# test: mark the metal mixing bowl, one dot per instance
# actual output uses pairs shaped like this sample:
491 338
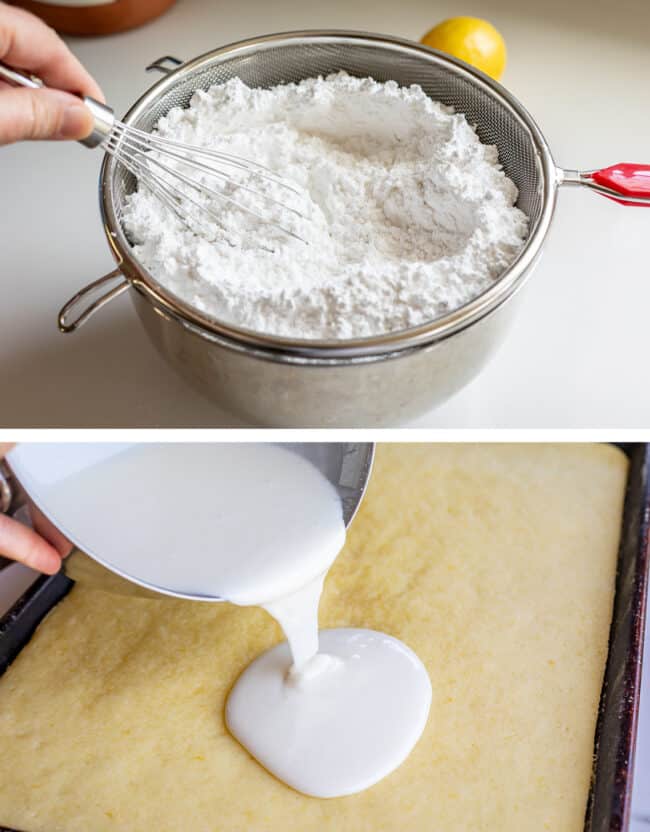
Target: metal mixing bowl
376 381
347 465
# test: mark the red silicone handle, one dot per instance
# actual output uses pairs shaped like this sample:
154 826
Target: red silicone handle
626 178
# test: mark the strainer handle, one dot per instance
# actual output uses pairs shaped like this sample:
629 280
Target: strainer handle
82 298
165 64
627 183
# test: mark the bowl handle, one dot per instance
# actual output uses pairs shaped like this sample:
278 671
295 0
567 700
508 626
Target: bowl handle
165 64
90 306
626 182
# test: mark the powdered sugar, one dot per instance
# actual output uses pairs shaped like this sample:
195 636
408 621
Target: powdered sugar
410 216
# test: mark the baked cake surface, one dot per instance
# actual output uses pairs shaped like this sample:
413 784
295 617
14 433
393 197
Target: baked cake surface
495 563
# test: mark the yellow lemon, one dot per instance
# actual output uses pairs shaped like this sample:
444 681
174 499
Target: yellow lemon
472 40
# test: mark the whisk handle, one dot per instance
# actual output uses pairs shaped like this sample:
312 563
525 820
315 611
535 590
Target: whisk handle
103 116
21 79
104 119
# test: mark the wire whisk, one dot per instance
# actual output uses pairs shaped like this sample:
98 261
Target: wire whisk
165 167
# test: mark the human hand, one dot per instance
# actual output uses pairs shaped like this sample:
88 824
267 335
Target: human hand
27 43
40 548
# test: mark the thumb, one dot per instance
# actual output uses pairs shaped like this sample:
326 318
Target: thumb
42 114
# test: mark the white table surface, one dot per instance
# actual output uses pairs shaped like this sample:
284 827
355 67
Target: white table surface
577 354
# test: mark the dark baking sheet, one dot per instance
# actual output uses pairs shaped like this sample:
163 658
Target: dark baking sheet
608 807
18 625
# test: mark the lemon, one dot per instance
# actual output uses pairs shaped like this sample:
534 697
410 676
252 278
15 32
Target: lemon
472 40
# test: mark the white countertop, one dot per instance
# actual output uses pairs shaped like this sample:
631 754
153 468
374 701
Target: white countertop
577 354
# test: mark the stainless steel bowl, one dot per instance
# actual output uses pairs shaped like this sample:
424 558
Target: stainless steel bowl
347 465
377 381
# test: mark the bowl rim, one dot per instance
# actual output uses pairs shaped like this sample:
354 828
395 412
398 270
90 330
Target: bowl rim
376 345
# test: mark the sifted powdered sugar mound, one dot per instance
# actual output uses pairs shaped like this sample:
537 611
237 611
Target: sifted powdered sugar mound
410 215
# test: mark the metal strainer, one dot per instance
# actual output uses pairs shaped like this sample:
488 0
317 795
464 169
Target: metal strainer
264 62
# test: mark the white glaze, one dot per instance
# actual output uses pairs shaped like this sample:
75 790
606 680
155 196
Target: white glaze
297 614
341 729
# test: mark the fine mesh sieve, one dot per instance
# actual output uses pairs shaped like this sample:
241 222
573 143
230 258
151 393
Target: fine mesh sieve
379 381
496 123
264 62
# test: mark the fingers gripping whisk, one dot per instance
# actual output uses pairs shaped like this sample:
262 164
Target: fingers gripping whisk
191 181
